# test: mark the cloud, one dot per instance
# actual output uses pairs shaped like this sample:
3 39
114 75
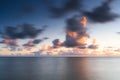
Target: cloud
29 44
93 46
34 42
118 32
45 38
11 35
37 41
76 33
13 43
57 43
68 6
10 42
23 31
102 13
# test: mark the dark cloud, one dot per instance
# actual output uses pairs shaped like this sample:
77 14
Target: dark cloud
93 46
102 13
73 24
45 38
68 6
29 44
75 32
34 42
37 41
56 43
23 31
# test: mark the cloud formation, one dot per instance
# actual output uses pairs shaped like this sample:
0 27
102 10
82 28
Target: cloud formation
76 32
10 42
23 31
102 13
93 46
57 43
68 6
34 42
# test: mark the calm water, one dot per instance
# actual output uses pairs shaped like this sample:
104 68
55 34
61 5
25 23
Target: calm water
59 68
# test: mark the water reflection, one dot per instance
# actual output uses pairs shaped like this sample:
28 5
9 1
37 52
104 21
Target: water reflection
59 68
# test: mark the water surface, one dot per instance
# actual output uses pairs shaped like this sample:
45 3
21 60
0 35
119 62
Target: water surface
38 68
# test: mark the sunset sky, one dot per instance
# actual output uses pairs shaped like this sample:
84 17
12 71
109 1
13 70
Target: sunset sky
39 13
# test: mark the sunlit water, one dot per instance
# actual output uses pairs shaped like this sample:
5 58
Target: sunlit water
38 68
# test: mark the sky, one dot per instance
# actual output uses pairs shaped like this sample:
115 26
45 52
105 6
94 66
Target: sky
102 24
